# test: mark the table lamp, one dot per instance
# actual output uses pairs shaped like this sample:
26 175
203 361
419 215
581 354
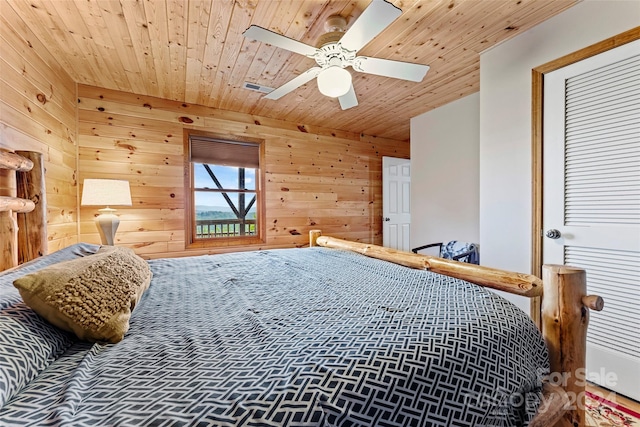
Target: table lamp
106 192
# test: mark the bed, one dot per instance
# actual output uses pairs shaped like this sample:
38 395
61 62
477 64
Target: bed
336 334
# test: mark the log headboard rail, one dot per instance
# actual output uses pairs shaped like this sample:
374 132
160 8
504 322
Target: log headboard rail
21 191
565 317
14 162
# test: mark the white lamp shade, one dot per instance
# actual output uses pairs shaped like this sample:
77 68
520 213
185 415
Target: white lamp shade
334 82
106 192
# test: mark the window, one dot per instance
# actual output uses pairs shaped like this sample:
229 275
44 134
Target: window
224 197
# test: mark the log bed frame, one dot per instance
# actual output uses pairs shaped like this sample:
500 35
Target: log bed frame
565 304
565 317
22 190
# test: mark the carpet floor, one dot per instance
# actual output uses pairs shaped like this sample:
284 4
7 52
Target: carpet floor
602 412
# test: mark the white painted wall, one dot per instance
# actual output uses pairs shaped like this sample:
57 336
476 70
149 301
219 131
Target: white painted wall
505 122
445 173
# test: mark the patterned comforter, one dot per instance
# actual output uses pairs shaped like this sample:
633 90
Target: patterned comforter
290 337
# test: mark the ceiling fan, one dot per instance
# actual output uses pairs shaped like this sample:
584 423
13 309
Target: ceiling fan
337 50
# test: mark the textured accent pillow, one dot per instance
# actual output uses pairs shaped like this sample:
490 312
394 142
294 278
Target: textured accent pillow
93 296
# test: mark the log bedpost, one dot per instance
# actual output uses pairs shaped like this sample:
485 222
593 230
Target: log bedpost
313 237
565 317
32 228
8 226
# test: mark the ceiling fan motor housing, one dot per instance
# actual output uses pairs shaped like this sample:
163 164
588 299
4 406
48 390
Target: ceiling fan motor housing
334 54
327 38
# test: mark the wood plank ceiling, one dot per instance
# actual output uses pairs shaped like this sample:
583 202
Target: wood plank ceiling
193 51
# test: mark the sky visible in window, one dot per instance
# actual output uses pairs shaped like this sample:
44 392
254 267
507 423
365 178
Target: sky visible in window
228 177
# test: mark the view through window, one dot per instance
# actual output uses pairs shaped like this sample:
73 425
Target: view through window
225 201
223 189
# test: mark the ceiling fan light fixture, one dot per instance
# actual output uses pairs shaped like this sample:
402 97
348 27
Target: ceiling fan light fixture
334 81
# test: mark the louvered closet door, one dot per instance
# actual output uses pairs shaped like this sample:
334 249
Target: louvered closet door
592 197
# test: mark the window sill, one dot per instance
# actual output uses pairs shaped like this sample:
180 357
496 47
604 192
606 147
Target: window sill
225 242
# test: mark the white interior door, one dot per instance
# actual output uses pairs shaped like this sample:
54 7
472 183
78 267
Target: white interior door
396 196
592 198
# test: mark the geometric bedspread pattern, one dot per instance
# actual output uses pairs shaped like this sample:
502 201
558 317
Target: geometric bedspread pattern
298 337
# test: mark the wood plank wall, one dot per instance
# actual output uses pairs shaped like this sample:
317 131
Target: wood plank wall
315 177
38 113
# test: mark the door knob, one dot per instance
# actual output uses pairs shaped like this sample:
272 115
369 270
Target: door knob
553 234
387 219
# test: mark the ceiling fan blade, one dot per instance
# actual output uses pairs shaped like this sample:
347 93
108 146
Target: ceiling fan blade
349 99
267 36
389 68
375 18
294 84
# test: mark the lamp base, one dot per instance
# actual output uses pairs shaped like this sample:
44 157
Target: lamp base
107 224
